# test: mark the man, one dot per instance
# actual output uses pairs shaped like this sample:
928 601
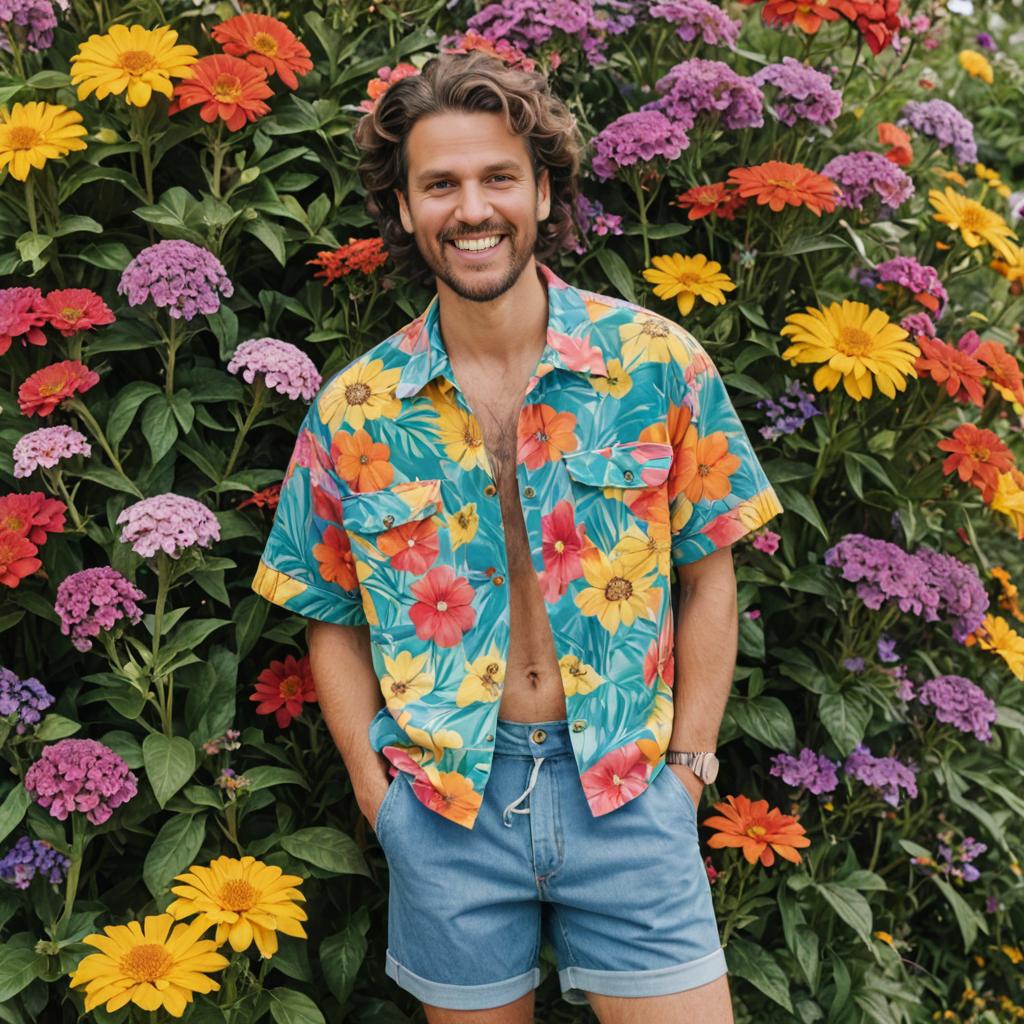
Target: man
481 515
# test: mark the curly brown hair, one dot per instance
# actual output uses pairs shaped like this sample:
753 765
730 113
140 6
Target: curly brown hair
472 82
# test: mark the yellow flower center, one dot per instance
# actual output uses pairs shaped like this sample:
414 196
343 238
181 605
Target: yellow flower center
470 439
756 831
854 341
147 963
70 313
616 780
356 394
442 606
227 88
463 520
688 280
654 330
782 183
291 686
559 546
136 62
979 454
399 688
23 136
263 42
53 388
618 589
972 218
237 894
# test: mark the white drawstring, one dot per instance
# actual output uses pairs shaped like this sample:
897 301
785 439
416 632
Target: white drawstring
512 809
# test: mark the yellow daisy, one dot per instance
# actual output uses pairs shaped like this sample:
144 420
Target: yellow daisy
996 634
1012 268
139 60
33 133
461 435
975 222
462 526
617 383
404 679
150 965
688 278
484 680
1009 499
577 676
617 593
652 339
365 391
857 344
246 899
275 586
977 65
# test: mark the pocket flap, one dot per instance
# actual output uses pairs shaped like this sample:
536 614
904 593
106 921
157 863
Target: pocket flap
377 511
631 464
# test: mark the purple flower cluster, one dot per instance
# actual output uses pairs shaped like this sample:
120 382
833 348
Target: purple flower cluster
697 86
941 121
46 447
917 278
960 702
286 369
183 278
38 19
954 863
702 18
863 174
927 583
641 136
29 857
94 600
789 412
80 775
802 93
887 774
26 698
815 771
592 219
985 41
168 522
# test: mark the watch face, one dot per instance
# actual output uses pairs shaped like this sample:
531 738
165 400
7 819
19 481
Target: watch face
710 772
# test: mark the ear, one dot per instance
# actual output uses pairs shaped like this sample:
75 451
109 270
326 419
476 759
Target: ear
543 194
403 211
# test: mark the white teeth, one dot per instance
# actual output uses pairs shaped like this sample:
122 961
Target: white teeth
478 244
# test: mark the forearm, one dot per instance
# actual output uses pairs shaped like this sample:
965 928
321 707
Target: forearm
706 636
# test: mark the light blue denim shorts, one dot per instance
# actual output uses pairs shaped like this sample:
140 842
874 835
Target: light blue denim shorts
623 898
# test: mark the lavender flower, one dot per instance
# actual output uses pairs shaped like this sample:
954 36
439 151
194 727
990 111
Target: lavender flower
854 665
169 523
802 93
815 771
287 369
919 323
886 774
29 857
1015 206
80 775
960 702
46 447
94 600
864 174
789 412
25 698
695 87
904 684
917 278
592 218
941 121
176 275
886 649
638 137
36 17
702 18
954 863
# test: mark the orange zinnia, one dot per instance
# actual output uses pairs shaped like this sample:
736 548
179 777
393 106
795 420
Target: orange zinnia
266 43
544 435
777 184
901 151
705 465
716 198
334 557
1003 370
958 372
227 88
807 15
978 457
757 830
364 464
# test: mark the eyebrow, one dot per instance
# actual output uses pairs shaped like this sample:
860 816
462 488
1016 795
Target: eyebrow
503 165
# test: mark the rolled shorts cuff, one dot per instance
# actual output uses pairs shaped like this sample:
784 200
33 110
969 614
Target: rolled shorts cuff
461 997
577 981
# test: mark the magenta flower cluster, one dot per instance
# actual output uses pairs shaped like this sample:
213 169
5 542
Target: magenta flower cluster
960 702
928 583
168 522
816 772
942 122
183 278
917 278
863 174
801 93
46 447
83 776
695 87
887 774
93 600
31 857
639 137
25 698
285 368
919 323
38 19
694 18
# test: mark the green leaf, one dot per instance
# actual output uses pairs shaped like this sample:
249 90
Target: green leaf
758 966
56 727
49 80
767 719
73 224
290 1007
18 969
327 848
170 762
186 637
968 919
617 272
13 809
796 501
342 955
1009 717
159 426
271 235
850 906
265 776
250 618
125 406
846 717
224 324
172 851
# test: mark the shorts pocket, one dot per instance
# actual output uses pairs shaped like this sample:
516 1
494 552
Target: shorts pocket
385 807
677 782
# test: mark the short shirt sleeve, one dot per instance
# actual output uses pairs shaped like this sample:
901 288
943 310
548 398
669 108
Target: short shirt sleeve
307 564
718 490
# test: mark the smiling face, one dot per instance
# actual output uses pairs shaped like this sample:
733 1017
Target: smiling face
470 182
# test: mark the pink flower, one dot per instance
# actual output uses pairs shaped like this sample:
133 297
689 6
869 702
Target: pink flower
93 600
46 447
169 523
561 545
577 353
444 607
616 779
766 541
285 368
22 313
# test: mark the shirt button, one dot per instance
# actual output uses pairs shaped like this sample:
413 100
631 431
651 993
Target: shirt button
538 735
528 492
489 737
579 725
490 490
628 474
497 580
388 520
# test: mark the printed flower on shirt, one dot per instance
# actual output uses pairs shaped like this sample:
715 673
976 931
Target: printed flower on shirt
432 743
450 794
462 526
484 681
659 661
643 552
411 547
577 676
444 607
460 434
545 435
576 353
617 594
365 391
405 679
334 556
616 778
617 384
705 465
364 464
562 543
651 339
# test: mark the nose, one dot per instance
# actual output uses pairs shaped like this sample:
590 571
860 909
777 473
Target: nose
474 207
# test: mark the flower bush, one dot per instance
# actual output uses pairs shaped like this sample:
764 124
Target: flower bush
832 193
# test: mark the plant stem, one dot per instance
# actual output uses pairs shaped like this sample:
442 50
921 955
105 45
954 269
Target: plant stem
219 151
30 203
75 870
89 420
172 347
258 395
57 479
642 209
163 585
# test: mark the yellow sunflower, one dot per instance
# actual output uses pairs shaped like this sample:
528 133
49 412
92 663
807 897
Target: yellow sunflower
975 222
977 65
404 679
652 339
617 592
577 676
33 133
151 965
246 899
138 59
687 278
484 680
857 344
365 391
1011 268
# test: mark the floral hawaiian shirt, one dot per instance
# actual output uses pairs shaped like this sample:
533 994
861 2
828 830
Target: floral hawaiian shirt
631 459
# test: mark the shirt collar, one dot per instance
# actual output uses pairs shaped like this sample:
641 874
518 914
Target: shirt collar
574 342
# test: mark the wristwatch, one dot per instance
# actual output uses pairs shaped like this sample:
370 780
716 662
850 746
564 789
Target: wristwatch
704 763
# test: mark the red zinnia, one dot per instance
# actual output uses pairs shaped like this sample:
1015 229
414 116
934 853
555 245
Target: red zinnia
877 21
266 498
444 606
76 309
22 313
716 198
776 184
363 254
33 516
807 15
266 43
901 151
1003 370
227 87
958 372
17 558
283 688
978 457
44 390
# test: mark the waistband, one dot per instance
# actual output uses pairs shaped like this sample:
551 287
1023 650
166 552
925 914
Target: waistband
532 739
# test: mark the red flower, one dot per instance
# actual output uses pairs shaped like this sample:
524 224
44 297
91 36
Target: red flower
877 21
33 516
282 689
561 544
362 254
411 547
227 87
618 777
267 498
958 372
806 14
659 661
22 313
266 43
44 390
978 457
902 152
76 309
717 198
444 607
16 558
335 559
